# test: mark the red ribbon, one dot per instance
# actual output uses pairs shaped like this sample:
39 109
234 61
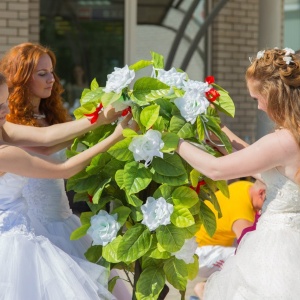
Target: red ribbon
197 189
94 115
126 111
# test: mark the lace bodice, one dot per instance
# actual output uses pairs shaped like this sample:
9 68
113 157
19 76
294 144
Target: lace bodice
46 198
12 205
282 205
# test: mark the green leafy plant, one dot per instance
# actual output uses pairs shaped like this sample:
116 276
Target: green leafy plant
145 210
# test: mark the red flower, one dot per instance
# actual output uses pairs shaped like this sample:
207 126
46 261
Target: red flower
126 111
94 115
212 95
197 189
210 79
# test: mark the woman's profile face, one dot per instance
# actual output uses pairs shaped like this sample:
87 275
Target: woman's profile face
262 103
42 79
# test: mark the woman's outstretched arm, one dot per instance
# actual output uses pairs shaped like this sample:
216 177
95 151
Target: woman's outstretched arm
20 135
16 160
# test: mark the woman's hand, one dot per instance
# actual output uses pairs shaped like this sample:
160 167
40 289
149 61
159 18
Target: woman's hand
127 122
108 115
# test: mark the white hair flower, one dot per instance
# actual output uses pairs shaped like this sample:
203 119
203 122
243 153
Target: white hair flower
288 51
260 54
156 212
145 147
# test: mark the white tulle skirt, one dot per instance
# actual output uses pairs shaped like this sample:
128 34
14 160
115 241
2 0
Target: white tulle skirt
59 232
266 266
32 268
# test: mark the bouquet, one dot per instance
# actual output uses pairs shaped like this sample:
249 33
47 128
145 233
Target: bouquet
146 203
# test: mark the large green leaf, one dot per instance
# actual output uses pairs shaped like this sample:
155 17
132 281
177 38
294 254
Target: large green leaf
149 115
158 60
185 197
94 253
120 150
79 232
140 65
150 283
182 217
170 237
99 190
208 219
123 213
136 177
225 104
171 180
193 268
170 141
134 244
110 250
176 272
170 165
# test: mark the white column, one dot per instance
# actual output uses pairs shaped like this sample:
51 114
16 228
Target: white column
130 22
270 36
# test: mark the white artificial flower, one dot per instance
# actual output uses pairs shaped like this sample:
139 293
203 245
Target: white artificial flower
288 51
156 212
120 105
104 228
145 147
187 251
260 54
191 105
172 77
119 79
197 87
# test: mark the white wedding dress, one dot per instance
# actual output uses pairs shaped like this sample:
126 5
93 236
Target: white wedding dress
31 266
50 214
267 263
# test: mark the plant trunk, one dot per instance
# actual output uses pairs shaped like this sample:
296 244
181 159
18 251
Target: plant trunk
137 273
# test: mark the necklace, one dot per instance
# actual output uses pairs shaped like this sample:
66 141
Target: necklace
39 116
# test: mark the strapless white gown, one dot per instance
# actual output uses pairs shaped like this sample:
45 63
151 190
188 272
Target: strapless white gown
267 263
31 267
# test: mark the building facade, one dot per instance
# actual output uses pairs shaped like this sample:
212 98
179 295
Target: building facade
234 34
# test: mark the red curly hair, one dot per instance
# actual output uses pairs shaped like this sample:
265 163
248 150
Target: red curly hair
18 65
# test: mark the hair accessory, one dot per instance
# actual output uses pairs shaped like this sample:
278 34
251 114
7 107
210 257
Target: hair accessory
287 58
260 54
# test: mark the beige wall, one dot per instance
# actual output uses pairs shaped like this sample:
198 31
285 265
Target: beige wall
19 22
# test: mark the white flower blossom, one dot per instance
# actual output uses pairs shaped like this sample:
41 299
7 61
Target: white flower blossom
120 105
260 54
187 251
119 79
156 212
104 228
172 77
145 147
191 105
197 87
